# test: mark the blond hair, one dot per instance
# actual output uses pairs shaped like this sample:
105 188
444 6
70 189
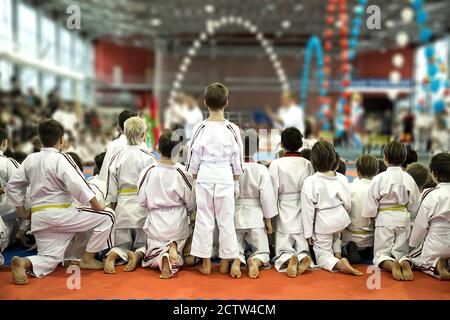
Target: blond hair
134 129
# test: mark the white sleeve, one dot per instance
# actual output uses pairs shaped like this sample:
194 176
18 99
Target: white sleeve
103 174
16 187
189 195
267 195
421 223
238 156
112 187
371 206
414 200
274 177
11 168
308 209
194 152
74 180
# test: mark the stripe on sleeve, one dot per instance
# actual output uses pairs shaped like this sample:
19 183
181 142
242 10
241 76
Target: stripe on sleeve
75 167
185 178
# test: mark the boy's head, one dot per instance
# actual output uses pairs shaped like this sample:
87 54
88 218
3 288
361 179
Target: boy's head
411 157
367 166
323 156
440 167
167 142
76 158
251 144
395 153
306 153
135 130
291 139
99 162
51 133
381 166
420 174
3 140
124 116
216 96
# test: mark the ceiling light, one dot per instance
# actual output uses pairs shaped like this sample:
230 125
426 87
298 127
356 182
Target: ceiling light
209 8
155 22
286 24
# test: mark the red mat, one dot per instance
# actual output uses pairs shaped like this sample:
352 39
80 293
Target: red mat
189 284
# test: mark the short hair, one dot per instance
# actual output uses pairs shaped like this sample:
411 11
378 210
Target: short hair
99 162
419 172
411 157
19 156
306 153
251 144
216 96
167 142
50 131
292 139
367 166
440 166
3 135
342 168
430 182
323 156
134 128
381 166
124 116
76 158
395 153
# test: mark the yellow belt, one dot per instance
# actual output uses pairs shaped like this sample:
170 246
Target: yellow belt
50 206
394 208
360 232
129 190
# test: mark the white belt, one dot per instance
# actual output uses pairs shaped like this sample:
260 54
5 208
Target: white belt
248 202
217 163
289 196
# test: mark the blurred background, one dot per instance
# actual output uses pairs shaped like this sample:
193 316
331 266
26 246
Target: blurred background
361 72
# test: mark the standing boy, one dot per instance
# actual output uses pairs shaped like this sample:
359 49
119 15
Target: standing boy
215 162
54 180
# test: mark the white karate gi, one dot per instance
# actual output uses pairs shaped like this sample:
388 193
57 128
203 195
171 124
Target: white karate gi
215 155
165 193
54 180
256 202
3 240
361 229
292 116
288 175
8 168
124 172
430 234
393 200
326 203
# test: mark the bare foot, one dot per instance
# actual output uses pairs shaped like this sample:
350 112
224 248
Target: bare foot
189 261
224 266
165 269
19 271
133 259
408 275
205 267
397 271
235 271
71 262
346 267
173 253
110 262
304 265
292 269
91 264
253 267
441 269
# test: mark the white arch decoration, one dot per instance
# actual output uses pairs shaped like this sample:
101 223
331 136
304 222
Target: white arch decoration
211 27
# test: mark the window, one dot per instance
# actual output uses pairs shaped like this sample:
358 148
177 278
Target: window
48 83
27 39
48 41
66 89
5 25
29 78
6 72
65 49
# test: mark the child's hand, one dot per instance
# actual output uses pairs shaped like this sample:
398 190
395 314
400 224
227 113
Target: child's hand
310 241
236 189
269 226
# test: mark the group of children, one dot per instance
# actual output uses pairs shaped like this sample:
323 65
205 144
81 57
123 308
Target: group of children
162 214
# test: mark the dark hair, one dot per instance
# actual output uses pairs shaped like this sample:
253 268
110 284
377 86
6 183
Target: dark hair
419 172
292 139
306 153
99 162
381 166
411 157
367 166
395 153
19 156
167 143
216 96
323 156
50 131
76 158
3 135
440 166
251 144
430 182
342 168
123 116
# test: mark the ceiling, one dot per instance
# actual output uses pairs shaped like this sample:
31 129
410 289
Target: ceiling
288 23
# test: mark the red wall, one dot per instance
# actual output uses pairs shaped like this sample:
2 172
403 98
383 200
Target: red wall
133 61
375 64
